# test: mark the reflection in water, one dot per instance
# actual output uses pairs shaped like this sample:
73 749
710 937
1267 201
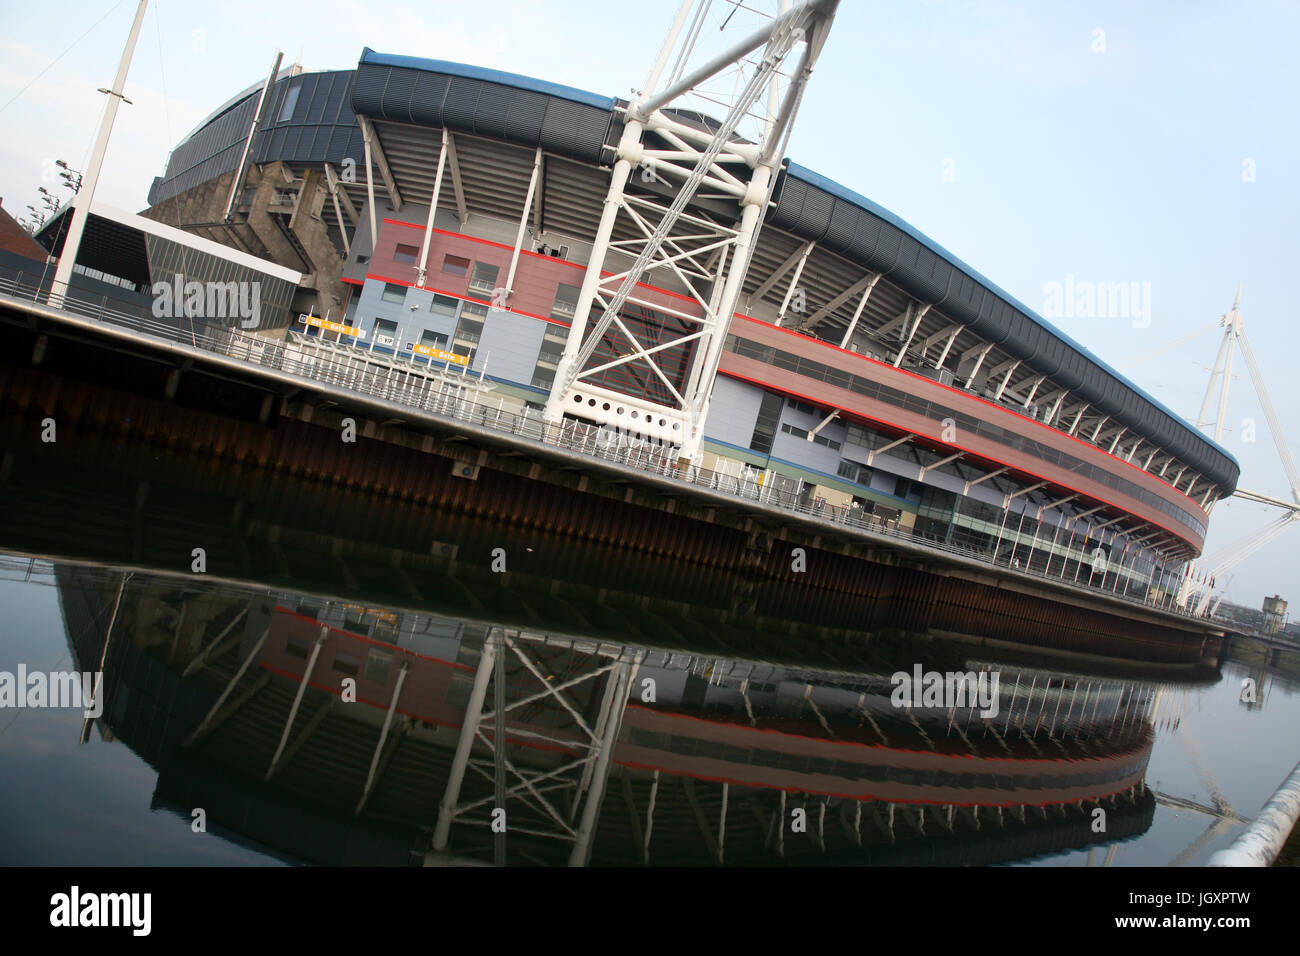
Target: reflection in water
340 732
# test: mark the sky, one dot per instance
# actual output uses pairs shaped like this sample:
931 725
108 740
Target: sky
1043 144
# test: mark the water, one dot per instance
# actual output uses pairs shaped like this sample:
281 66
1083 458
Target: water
876 783
300 695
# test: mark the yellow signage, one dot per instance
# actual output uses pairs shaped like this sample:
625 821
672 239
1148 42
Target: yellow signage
328 326
440 355
375 612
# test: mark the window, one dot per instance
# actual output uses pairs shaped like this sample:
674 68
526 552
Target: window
406 254
857 435
551 358
485 278
290 101
804 407
769 413
566 302
455 265
434 340
904 487
385 331
378 663
444 305
394 293
818 439
347 664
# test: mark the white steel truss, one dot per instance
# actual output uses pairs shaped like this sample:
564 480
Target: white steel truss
561 798
702 255
1200 582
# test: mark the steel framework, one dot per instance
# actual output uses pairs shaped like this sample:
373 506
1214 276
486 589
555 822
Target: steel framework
558 799
705 254
1198 586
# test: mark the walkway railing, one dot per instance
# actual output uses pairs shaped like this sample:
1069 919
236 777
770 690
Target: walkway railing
435 390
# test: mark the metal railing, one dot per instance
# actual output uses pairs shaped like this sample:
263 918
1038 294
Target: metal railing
434 390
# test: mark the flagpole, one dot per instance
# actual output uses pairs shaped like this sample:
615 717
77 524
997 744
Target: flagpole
90 179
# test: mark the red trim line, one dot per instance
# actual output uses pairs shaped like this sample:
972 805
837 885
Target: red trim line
467 298
1001 408
281 609
1016 468
537 255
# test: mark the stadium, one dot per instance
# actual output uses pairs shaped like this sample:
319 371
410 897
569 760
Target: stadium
444 213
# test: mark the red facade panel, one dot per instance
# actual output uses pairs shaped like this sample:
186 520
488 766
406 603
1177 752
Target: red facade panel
884 413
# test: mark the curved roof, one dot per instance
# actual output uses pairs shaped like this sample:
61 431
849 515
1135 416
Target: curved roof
583 125
814 207
808 205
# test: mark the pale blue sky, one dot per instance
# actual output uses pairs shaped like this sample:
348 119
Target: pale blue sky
1117 165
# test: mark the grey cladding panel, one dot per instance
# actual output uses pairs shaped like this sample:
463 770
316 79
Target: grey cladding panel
478 106
460 105
842 228
492 109
426 99
525 117
401 87
576 130
866 238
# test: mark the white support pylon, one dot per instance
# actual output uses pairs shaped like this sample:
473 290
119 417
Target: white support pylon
1196 589
90 179
698 252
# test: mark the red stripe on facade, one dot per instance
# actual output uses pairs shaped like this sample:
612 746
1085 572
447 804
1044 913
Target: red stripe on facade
983 456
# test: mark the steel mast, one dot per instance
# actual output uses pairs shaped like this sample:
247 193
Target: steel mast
650 235
81 202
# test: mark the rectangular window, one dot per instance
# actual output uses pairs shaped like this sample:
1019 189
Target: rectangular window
566 302
769 413
394 293
347 664
385 332
484 279
455 265
818 439
378 663
290 101
904 487
434 340
406 254
857 435
444 305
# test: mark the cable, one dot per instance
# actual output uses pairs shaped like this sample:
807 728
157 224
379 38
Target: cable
47 69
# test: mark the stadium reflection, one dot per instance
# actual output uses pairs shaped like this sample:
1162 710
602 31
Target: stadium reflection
339 730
